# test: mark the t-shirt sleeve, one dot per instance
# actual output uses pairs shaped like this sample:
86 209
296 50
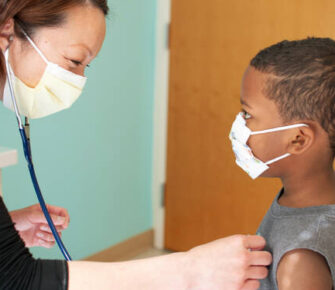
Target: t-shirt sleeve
18 268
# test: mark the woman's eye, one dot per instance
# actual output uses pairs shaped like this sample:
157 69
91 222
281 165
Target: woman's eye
76 62
246 115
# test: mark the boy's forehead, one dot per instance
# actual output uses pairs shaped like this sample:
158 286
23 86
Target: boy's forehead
253 96
245 102
252 87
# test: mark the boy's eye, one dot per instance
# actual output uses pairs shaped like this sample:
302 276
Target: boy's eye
245 115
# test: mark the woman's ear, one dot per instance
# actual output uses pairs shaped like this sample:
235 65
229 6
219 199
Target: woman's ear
301 139
6 34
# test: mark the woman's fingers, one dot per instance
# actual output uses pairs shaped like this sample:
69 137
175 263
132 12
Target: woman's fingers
45 236
46 228
257 272
251 285
45 239
254 242
260 258
61 214
45 244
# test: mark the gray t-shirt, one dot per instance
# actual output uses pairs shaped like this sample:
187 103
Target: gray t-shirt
286 229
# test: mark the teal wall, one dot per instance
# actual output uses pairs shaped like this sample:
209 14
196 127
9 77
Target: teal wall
96 158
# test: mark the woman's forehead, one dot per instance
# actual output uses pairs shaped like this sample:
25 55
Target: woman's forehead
84 29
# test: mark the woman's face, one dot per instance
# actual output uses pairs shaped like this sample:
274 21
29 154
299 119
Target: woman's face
72 45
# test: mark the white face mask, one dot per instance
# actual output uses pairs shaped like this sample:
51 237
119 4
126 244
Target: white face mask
239 136
57 90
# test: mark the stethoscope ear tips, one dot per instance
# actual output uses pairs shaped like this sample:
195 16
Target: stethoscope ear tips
10 40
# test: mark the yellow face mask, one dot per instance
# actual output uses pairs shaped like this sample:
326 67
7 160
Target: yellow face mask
57 90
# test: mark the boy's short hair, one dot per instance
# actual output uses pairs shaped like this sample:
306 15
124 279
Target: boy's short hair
301 80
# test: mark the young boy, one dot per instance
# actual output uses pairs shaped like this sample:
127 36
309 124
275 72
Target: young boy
287 130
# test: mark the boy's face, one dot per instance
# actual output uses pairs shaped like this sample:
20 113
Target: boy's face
261 113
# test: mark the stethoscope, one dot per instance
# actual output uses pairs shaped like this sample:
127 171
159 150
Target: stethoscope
25 137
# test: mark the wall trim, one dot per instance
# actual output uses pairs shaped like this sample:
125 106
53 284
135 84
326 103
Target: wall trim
160 118
125 250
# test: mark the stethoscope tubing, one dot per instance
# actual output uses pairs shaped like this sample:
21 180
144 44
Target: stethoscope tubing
28 156
27 153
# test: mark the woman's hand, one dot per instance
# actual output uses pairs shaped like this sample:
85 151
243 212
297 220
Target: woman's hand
33 227
235 262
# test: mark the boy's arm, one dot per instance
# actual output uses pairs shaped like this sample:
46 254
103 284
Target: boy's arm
303 269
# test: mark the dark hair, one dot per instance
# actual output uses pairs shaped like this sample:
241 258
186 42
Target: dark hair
301 80
33 14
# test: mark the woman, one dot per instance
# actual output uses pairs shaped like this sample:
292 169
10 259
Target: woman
48 44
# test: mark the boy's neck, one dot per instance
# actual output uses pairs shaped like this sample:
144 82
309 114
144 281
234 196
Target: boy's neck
306 189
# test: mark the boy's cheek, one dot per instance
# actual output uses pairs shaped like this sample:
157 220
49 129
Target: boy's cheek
258 147
265 147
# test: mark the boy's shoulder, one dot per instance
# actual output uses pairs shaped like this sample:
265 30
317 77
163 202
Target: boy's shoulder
311 271
289 229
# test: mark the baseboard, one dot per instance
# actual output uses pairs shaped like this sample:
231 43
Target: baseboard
125 250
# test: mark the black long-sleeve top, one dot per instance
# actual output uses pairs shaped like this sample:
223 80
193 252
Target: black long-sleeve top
18 269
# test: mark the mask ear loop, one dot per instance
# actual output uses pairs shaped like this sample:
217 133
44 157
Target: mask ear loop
278 158
34 46
278 129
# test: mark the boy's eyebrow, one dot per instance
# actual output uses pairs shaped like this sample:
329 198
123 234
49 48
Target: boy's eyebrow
244 103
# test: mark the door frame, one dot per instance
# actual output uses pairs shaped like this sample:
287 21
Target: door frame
161 88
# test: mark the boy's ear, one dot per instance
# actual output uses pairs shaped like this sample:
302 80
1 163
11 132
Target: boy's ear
301 139
6 34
